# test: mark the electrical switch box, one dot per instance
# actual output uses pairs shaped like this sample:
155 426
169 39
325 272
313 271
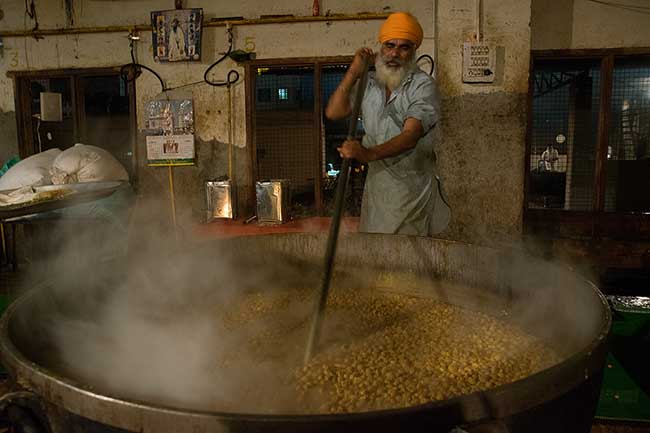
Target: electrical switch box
479 60
51 107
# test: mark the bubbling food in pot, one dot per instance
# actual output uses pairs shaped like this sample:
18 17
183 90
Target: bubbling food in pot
378 350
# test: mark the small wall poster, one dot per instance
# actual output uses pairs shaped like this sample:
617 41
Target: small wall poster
176 34
165 150
169 127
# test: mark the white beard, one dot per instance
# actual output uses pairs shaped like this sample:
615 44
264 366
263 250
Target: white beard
392 76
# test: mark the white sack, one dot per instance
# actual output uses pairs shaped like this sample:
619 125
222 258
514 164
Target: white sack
31 171
86 163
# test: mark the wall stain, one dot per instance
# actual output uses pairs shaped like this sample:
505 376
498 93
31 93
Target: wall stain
481 159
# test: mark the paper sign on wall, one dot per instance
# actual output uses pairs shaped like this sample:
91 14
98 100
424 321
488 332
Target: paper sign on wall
170 132
170 150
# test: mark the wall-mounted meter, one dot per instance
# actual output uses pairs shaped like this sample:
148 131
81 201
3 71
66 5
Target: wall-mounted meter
479 62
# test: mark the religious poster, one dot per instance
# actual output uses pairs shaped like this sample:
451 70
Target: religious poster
169 126
176 35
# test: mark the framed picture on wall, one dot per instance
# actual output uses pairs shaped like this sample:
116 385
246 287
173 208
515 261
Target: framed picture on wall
176 35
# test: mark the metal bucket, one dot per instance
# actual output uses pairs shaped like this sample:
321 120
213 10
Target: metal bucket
572 316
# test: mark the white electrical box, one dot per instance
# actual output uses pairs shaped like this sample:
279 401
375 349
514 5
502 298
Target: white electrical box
51 107
479 60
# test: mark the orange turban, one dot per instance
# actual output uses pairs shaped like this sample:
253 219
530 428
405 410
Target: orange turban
401 25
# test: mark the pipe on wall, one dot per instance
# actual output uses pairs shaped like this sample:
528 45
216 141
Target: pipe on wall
212 23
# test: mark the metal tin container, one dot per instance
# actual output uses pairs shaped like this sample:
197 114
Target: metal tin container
273 201
220 199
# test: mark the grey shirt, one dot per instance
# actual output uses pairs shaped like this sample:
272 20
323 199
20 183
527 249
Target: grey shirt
401 192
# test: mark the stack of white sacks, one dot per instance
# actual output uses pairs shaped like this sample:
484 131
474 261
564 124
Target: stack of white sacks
78 164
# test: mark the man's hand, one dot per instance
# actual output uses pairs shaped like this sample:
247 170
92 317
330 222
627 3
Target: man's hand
401 143
338 106
356 67
352 149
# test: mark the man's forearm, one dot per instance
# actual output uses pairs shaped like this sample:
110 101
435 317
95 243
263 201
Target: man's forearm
393 147
338 105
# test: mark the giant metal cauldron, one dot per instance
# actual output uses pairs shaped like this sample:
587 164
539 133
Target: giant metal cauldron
549 301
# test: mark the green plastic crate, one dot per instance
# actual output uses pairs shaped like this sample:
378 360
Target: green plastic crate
5 300
625 392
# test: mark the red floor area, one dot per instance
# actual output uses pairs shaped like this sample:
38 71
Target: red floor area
620 428
228 228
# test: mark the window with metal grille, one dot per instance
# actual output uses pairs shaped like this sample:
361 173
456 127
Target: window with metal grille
588 146
334 133
291 136
566 100
628 155
98 108
284 133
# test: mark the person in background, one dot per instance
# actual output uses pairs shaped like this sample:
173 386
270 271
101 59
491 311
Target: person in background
400 110
550 157
176 42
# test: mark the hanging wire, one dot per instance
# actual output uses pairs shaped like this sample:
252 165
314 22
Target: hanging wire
131 71
232 73
231 78
430 59
38 132
30 11
624 6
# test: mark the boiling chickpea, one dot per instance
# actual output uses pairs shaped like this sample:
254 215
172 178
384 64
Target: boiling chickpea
386 350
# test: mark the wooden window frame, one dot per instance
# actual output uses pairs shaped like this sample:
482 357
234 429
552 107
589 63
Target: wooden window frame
21 79
317 63
596 224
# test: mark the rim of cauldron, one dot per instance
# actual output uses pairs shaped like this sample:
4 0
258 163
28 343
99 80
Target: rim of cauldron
492 403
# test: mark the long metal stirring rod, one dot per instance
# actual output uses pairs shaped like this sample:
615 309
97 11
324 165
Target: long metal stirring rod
319 310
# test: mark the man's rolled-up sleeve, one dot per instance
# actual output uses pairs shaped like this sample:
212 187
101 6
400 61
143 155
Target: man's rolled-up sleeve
425 105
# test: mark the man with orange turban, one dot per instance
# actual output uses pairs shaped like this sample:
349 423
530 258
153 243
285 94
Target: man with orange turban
400 110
